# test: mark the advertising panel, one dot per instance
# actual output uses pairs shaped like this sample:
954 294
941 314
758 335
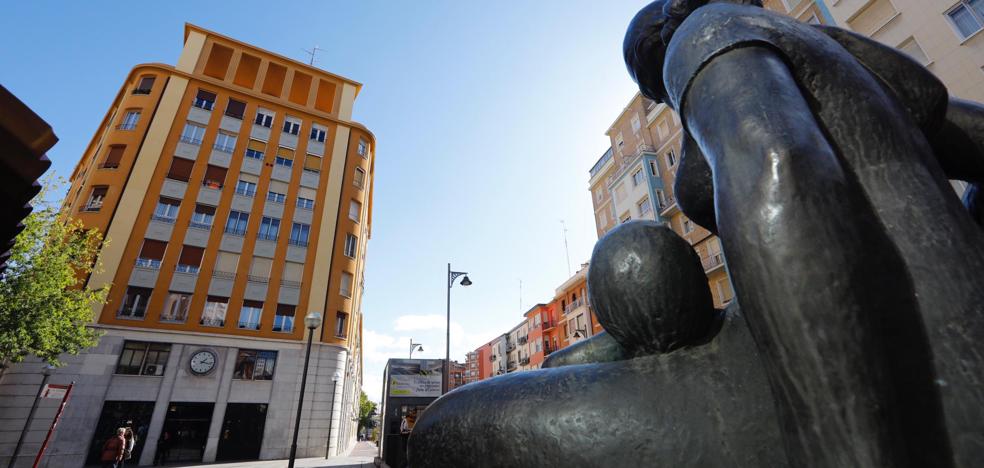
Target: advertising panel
417 378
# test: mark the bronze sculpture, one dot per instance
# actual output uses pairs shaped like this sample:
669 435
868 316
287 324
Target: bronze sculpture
821 160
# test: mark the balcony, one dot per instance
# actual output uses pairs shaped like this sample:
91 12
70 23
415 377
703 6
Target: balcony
510 366
668 205
523 340
548 325
510 347
601 162
524 361
628 163
712 263
573 306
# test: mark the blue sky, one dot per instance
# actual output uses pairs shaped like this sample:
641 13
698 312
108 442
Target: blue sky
488 117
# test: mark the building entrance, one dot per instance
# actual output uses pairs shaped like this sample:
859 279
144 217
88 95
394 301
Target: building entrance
187 425
116 414
242 432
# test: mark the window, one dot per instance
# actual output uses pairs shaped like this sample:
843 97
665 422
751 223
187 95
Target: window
638 177
145 85
202 217
318 134
625 218
192 134
134 305
269 229
225 142
670 159
355 211
166 210
912 49
129 120
204 100
688 226
247 189
653 168
235 109
351 244
214 177
292 274
264 118
305 203
360 178
292 126
341 324
249 315
96 198
254 154
636 124
226 264
537 344
345 289
299 234
661 198
113 156
363 148
176 307
255 365
236 224
312 163
967 17
282 161
283 321
276 197
180 169
725 292
215 311
141 358
259 271
190 259
151 253
645 207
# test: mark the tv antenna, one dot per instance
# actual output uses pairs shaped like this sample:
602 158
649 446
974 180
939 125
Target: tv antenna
312 53
566 250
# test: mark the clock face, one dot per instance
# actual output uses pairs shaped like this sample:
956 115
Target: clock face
202 362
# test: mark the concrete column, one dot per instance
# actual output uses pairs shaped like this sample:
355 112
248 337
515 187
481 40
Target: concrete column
221 400
161 404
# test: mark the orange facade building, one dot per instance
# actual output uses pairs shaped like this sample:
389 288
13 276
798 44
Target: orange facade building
235 193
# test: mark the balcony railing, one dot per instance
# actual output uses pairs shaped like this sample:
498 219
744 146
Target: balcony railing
223 148
148 263
126 126
712 262
246 325
510 347
190 140
223 274
548 324
257 279
163 219
573 306
523 340
524 361
212 322
667 203
511 365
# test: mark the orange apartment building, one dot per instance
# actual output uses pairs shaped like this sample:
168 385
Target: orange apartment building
235 191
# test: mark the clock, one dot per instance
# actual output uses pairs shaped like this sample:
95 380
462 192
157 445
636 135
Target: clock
202 362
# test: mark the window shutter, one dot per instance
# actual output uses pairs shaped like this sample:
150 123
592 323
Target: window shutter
218 299
285 152
279 187
205 209
191 256
153 249
307 192
215 175
180 169
312 162
257 145
227 262
235 109
114 156
146 82
245 177
360 177
99 191
285 310
256 304
293 271
261 267
170 201
206 96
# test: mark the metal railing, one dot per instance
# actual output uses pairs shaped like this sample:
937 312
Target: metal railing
212 322
249 325
200 225
712 262
257 279
191 269
298 242
203 104
235 231
223 148
126 126
573 306
163 219
223 274
190 140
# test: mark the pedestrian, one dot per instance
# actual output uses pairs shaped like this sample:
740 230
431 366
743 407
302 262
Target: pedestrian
163 447
112 450
130 442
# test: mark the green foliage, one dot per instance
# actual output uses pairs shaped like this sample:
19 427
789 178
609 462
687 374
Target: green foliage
367 409
45 310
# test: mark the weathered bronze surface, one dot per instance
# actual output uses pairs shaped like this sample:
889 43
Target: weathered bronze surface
821 158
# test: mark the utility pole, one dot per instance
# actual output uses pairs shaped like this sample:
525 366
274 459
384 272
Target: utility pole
566 250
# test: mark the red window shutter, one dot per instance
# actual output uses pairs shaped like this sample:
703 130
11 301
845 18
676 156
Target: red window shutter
257 304
114 156
180 169
191 256
209 210
285 310
153 249
206 96
235 109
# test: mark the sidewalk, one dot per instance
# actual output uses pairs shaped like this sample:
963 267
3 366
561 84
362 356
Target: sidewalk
360 457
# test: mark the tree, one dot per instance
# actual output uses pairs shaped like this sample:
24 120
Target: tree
45 310
367 409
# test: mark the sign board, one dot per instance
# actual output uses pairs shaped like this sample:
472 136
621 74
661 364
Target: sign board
56 392
417 378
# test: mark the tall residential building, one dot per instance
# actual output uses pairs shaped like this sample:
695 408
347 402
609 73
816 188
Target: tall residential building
517 347
537 322
235 192
456 375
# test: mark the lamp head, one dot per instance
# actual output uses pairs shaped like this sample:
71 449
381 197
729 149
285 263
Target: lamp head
465 281
48 369
313 320
420 348
336 377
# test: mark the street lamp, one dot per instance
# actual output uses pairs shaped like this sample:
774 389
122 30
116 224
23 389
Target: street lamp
415 347
312 321
335 378
452 276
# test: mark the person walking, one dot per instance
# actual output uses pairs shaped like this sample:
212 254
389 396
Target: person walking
130 441
163 447
112 450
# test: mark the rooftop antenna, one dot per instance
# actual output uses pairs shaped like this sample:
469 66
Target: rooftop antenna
566 250
312 53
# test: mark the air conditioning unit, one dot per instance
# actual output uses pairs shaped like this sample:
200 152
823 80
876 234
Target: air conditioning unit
150 370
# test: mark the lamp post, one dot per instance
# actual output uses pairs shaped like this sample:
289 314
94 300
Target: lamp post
45 372
452 276
335 378
312 321
415 347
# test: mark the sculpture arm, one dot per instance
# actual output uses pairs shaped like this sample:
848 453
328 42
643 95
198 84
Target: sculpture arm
959 145
599 348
